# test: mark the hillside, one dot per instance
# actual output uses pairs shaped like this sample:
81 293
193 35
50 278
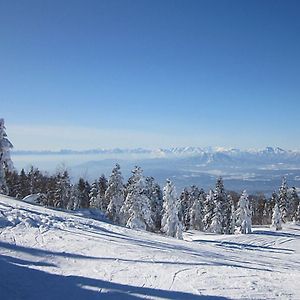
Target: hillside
51 254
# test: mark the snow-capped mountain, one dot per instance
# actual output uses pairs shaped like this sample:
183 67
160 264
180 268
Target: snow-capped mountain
173 152
253 169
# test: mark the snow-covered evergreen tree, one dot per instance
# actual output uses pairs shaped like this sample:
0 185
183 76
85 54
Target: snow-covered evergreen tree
140 214
232 218
219 220
5 160
93 196
283 200
73 202
216 225
183 208
297 214
193 196
63 190
114 194
132 183
196 212
243 215
102 187
154 193
277 218
170 223
293 204
208 210
268 208
136 210
83 189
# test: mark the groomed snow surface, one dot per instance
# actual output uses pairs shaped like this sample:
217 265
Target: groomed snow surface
51 254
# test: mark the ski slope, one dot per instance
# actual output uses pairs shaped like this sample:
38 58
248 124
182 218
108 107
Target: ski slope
51 254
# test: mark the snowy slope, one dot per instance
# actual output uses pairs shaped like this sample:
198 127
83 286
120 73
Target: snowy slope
49 254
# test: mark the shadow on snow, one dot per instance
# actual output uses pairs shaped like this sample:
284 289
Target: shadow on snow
20 281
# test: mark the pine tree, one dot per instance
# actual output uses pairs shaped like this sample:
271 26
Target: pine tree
196 212
277 218
220 221
131 185
114 194
269 208
293 204
23 185
193 196
183 208
297 214
154 194
208 210
258 206
102 187
83 189
93 196
12 180
34 178
140 216
62 191
229 216
243 215
5 160
73 202
136 210
216 222
170 222
283 200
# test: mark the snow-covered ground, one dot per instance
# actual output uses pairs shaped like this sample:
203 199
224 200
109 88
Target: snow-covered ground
50 254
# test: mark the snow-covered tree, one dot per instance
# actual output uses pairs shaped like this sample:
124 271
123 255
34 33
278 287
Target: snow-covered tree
208 210
277 218
73 202
170 223
232 219
293 204
243 215
63 190
196 212
154 193
136 210
93 196
102 187
114 194
283 200
220 220
83 189
193 196
268 208
297 214
183 208
5 160
131 185
216 225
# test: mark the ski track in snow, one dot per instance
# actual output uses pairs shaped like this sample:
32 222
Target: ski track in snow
53 254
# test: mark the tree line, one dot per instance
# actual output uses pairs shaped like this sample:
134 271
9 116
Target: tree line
141 203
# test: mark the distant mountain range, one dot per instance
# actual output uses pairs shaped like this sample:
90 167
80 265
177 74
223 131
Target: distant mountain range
180 151
255 170
205 156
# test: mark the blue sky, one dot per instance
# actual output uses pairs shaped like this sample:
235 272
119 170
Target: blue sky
84 74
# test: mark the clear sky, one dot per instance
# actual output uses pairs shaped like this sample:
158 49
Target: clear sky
84 74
